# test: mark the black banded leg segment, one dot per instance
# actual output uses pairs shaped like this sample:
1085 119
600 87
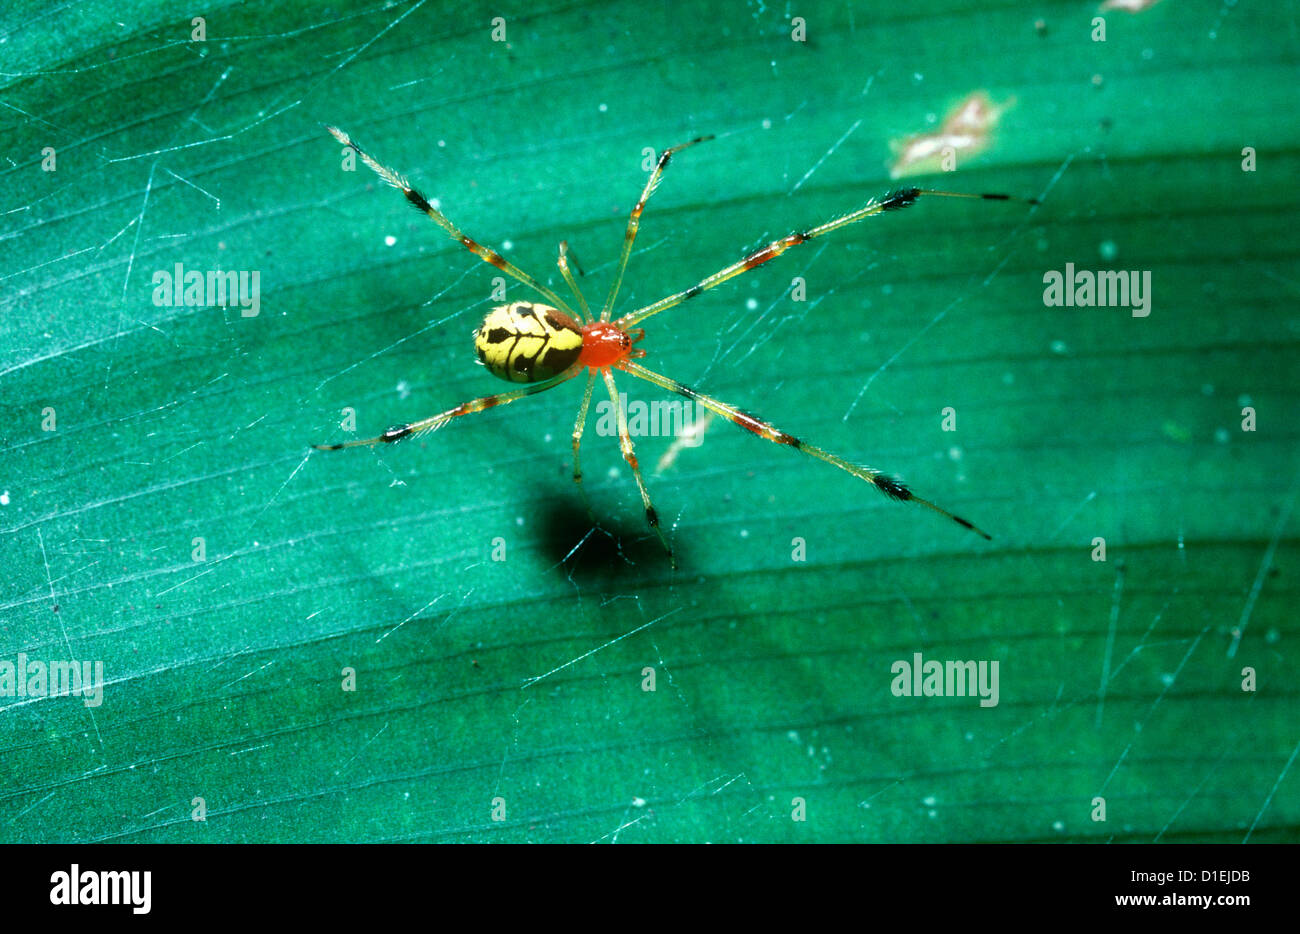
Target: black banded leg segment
634 221
398 432
894 489
894 201
629 454
422 204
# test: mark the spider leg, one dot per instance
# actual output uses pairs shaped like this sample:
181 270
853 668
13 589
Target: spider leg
398 432
422 204
563 262
892 202
625 442
892 488
578 427
634 221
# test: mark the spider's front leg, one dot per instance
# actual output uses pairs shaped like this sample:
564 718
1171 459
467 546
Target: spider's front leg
894 489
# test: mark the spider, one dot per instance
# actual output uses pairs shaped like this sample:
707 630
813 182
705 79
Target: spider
544 344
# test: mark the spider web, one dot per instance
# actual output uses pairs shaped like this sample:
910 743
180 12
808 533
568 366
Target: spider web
172 524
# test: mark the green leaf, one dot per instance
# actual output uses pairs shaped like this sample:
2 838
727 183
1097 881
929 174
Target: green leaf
140 435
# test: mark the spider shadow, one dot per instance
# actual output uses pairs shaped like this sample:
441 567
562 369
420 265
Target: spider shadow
604 553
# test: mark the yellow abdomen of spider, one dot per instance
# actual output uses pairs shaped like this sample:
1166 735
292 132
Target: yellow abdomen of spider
527 342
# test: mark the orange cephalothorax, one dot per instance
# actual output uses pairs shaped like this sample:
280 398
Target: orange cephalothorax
604 343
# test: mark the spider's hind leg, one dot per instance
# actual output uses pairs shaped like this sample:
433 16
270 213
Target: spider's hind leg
563 262
422 204
434 422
